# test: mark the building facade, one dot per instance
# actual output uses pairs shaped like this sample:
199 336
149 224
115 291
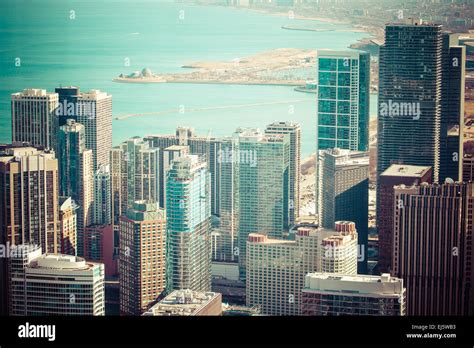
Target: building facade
343 79
396 174
67 226
344 193
294 171
55 285
432 247
76 175
188 249
276 267
263 186
327 294
34 118
142 257
134 175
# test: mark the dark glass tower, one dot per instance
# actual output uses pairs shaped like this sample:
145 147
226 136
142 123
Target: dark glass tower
420 99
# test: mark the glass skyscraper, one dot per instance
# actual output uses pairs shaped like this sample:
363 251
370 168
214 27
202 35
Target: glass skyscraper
76 175
343 79
188 240
263 185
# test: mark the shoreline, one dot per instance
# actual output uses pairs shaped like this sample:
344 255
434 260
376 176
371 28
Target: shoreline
374 32
210 82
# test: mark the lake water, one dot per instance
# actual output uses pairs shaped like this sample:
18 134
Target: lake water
88 43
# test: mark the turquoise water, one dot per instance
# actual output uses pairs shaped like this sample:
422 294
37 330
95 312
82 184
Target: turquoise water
92 49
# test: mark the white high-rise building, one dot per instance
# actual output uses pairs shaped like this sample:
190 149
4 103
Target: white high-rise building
34 119
94 111
54 284
341 250
337 294
276 268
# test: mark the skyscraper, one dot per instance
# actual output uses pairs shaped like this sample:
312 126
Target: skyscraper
99 246
76 175
167 156
188 250
340 249
276 268
29 191
102 208
396 174
433 247
294 172
54 284
142 256
34 118
452 120
337 294
344 193
29 211
263 186
420 99
343 79
225 235
67 103
205 146
94 111
134 171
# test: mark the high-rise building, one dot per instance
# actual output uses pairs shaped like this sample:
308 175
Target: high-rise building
276 267
294 171
29 193
94 111
54 284
29 211
337 294
452 120
142 257
134 172
188 249
34 118
343 79
468 167
225 235
341 251
76 175
263 186
102 208
188 303
67 107
167 156
344 193
396 174
67 226
206 146
433 247
99 246
421 88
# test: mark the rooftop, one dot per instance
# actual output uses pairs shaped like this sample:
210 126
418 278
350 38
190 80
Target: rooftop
384 285
182 303
404 170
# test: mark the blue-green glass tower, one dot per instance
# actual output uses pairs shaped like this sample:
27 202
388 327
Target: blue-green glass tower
343 79
188 202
